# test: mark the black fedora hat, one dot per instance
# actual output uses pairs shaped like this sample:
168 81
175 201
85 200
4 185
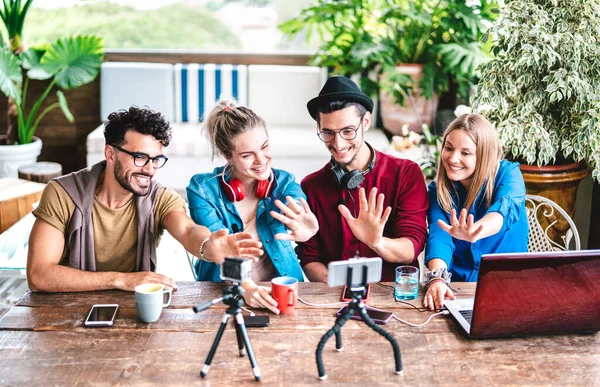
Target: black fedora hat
339 89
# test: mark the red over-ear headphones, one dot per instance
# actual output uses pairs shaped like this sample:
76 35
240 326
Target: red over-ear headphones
234 190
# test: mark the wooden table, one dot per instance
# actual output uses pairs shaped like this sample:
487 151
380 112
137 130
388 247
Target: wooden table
43 341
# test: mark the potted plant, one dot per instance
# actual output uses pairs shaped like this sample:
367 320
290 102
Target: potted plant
67 63
413 50
542 91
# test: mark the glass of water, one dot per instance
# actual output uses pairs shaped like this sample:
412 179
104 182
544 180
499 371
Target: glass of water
407 283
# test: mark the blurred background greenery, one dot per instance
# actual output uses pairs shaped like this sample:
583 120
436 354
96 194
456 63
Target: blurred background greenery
170 27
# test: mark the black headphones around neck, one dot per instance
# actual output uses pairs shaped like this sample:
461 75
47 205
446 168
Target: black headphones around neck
354 178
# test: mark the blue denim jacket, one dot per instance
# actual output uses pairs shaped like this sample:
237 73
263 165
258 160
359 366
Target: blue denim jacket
209 207
463 258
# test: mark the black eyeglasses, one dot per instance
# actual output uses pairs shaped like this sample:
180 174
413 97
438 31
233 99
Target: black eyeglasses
327 135
141 159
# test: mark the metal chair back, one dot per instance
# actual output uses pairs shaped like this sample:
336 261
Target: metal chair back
550 227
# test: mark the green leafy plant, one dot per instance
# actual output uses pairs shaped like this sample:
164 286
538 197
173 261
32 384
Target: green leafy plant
542 88
374 36
69 63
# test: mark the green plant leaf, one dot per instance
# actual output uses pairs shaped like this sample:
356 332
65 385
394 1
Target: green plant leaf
30 60
13 17
64 106
11 77
75 60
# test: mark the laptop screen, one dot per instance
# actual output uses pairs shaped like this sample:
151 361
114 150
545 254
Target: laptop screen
532 293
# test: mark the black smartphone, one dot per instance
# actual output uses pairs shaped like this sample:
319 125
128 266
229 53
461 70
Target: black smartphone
256 321
379 316
347 294
101 315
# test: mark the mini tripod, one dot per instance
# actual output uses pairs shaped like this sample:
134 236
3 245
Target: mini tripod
358 292
231 297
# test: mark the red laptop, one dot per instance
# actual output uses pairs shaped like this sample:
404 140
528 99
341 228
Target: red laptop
532 293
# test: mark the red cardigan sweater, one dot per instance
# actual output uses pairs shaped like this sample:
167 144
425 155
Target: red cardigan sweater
402 183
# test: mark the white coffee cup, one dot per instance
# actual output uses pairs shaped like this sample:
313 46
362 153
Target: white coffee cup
149 301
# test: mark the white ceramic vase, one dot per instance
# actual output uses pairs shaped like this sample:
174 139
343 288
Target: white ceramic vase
14 156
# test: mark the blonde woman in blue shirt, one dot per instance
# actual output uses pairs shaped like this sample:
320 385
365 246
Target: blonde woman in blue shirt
476 206
247 194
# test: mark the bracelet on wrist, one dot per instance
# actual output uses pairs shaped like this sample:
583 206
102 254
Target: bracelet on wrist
438 273
434 280
201 250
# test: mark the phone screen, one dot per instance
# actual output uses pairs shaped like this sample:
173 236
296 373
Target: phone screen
347 296
379 316
102 315
256 321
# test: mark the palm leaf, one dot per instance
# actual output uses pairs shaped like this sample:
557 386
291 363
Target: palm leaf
75 60
465 57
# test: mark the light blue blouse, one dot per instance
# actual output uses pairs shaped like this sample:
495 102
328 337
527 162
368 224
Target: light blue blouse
463 258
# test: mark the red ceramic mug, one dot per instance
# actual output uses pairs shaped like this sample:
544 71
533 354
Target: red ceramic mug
284 290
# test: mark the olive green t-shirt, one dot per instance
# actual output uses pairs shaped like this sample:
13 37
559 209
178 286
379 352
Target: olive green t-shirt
115 229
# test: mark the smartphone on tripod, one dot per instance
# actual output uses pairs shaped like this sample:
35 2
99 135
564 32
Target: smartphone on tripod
347 294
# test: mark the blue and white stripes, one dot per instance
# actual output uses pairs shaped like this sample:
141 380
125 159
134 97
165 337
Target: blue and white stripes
199 86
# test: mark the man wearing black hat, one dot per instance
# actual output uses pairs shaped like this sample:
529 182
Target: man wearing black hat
390 222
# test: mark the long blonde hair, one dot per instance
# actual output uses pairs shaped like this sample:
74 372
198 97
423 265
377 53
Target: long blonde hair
488 152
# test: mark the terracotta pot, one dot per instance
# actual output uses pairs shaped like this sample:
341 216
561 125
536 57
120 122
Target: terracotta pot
558 183
418 110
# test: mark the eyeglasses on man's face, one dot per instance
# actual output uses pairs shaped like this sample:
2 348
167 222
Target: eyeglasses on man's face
327 135
141 159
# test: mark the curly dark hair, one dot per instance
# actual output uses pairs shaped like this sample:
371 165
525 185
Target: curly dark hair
142 120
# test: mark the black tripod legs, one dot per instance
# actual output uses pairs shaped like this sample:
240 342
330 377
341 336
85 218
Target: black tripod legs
387 335
240 328
214 346
243 344
240 339
337 330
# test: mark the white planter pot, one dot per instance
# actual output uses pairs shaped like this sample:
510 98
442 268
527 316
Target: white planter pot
14 156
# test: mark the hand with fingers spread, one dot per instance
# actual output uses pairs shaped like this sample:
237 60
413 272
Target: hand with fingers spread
298 218
463 228
259 297
368 226
221 244
436 292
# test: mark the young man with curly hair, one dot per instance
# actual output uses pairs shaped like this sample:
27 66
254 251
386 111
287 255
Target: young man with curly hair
98 228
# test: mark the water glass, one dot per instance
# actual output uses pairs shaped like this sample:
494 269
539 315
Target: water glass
407 283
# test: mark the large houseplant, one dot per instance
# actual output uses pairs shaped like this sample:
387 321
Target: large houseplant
373 37
542 91
67 63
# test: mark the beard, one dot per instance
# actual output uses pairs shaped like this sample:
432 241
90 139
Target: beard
128 183
348 163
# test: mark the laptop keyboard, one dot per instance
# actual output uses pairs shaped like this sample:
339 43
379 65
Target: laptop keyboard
467 314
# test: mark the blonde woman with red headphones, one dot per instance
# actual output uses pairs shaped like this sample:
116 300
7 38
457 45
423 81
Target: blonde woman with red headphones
248 195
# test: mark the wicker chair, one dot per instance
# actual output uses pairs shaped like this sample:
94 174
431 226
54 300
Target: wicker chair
550 227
